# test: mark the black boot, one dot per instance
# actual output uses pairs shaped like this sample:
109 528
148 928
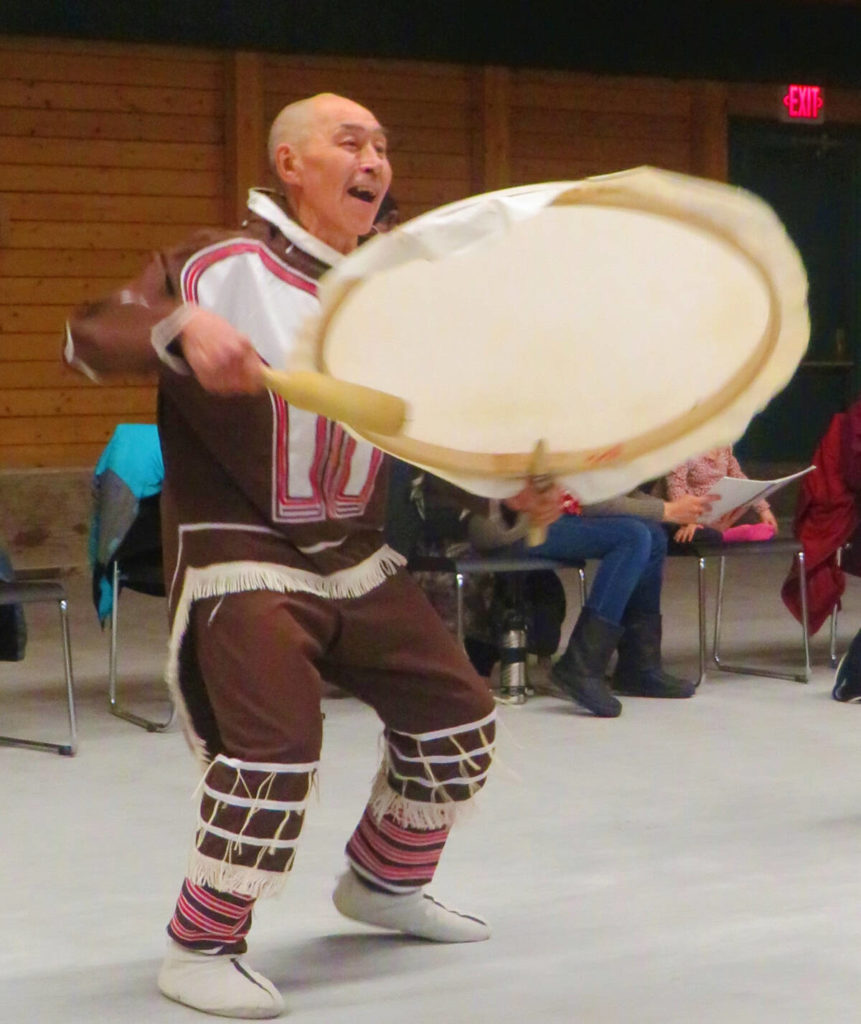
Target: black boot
580 670
638 670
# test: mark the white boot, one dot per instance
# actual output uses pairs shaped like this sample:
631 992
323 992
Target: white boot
217 983
416 913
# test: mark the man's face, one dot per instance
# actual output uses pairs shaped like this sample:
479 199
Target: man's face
339 173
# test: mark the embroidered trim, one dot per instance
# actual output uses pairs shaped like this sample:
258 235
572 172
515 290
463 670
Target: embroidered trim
242 828
262 805
240 840
454 730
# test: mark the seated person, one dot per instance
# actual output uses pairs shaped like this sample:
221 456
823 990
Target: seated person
847 678
426 516
623 609
698 476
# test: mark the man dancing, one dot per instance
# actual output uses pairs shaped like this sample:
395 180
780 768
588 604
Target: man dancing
279 574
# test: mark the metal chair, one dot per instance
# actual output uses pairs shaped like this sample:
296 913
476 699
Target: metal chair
136 565
514 685
751 549
835 612
30 588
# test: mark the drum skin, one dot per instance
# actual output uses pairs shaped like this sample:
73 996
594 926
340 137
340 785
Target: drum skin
629 322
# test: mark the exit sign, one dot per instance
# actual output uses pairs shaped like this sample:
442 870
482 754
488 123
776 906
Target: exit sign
803 103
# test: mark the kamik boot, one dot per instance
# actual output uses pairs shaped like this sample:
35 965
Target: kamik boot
581 669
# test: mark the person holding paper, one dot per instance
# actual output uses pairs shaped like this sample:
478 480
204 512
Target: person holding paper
699 476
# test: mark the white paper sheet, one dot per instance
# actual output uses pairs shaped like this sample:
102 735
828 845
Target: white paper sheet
735 493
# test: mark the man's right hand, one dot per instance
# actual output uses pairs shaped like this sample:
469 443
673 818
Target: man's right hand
690 508
223 360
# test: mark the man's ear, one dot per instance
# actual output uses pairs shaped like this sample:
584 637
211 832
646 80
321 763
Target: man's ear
287 164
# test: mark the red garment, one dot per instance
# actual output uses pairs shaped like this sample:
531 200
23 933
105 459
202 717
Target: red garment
826 518
570 505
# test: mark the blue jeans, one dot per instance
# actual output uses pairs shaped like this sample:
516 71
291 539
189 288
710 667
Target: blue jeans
631 552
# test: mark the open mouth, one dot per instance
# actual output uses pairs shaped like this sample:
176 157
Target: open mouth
365 194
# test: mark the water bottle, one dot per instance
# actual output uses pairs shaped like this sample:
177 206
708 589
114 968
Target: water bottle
512 661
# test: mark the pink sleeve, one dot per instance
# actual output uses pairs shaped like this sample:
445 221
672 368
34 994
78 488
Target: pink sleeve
677 482
733 468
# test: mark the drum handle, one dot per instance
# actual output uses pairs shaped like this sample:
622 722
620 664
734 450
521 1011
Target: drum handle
364 409
541 480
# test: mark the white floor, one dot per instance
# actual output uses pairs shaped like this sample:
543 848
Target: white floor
692 862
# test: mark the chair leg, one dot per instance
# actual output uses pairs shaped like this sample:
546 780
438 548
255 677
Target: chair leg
65 749
459 579
72 745
113 700
805 628
581 578
832 640
748 670
701 610
835 611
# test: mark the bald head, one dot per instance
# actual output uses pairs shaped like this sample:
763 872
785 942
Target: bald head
329 154
295 122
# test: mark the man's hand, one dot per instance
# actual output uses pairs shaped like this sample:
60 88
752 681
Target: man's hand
542 507
690 508
223 360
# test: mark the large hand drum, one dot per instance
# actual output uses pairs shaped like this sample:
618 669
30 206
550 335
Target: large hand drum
628 321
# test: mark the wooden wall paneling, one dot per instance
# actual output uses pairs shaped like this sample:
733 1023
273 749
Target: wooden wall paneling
366 80
192 60
70 263
135 127
114 209
569 126
110 152
91 429
561 90
709 130
118 98
492 136
128 401
24 373
30 347
107 152
117 181
245 133
66 455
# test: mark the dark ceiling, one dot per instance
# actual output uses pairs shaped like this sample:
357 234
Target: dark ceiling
751 40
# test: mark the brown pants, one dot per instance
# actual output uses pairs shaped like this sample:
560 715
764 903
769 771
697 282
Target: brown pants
252 664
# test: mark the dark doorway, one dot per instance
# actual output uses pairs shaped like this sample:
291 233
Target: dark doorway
811 176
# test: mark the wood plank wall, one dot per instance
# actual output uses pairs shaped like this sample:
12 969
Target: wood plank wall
108 151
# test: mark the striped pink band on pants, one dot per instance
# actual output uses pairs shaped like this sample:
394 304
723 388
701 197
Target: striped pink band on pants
394 857
209 920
